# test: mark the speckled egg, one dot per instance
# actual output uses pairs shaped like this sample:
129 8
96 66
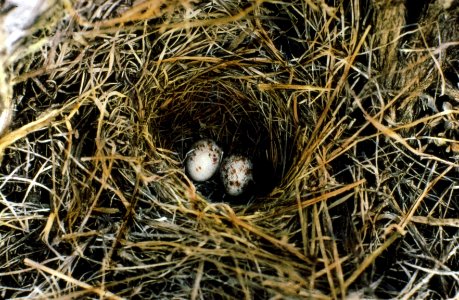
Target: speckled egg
236 173
203 160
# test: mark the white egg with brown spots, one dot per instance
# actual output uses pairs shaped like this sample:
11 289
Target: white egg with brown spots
203 160
236 173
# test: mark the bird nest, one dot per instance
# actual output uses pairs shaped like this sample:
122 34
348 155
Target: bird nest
347 109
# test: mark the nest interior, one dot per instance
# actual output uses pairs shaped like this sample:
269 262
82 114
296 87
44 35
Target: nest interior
218 108
347 108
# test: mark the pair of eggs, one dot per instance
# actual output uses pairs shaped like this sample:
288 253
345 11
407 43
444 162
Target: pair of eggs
203 161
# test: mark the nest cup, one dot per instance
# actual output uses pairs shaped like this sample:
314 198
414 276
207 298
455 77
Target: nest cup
238 117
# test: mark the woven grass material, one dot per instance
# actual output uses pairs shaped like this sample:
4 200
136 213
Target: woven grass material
349 115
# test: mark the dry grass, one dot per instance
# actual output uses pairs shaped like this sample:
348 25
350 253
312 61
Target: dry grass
348 109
